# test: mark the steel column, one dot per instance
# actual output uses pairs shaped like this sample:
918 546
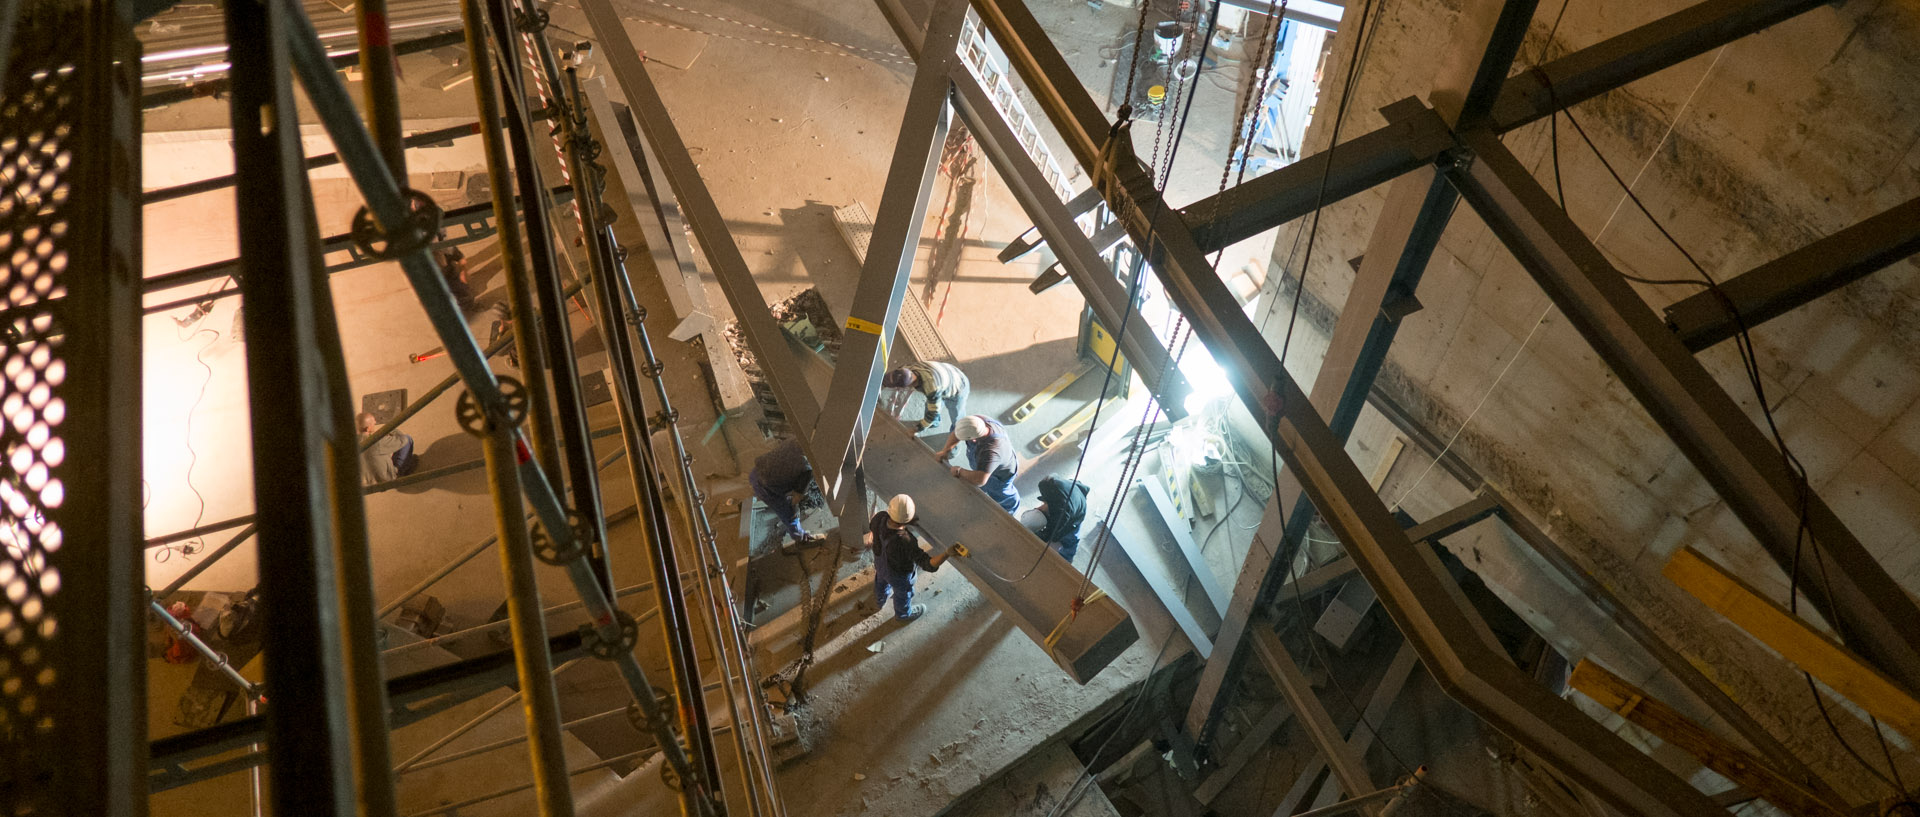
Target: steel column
1864 604
324 756
1414 588
538 693
840 433
1780 286
614 323
527 339
1349 767
380 83
583 478
74 708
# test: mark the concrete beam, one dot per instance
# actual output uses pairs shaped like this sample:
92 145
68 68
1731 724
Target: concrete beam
1867 607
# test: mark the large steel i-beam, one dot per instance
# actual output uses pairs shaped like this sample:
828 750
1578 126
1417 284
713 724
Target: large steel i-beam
1452 640
1866 606
847 412
1360 163
1054 220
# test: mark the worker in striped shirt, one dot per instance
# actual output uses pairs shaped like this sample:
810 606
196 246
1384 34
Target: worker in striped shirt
943 384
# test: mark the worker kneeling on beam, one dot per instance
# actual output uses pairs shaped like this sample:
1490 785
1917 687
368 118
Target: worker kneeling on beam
897 555
990 453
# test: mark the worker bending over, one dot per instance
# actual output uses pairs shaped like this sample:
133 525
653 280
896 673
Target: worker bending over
990 453
776 476
941 383
1063 506
897 555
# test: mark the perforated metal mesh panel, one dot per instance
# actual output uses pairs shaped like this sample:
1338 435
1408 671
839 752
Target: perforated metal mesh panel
67 235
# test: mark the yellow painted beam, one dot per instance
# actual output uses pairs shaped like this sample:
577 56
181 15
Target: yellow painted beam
1713 751
1808 648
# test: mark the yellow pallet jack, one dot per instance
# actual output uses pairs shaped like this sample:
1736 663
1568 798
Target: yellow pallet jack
1097 347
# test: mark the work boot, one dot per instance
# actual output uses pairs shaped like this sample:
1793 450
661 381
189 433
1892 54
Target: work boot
914 612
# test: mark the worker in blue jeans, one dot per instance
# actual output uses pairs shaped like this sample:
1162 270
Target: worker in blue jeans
896 555
776 476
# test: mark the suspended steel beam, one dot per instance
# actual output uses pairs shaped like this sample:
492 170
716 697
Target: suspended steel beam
840 434
1866 606
1411 221
1780 286
1054 221
1275 199
1454 643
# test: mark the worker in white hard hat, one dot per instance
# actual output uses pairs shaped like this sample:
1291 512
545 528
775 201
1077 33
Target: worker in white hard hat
896 556
991 457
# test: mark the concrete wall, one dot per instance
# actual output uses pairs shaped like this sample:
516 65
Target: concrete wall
1743 154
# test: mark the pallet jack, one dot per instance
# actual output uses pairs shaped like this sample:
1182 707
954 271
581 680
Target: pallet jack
1095 347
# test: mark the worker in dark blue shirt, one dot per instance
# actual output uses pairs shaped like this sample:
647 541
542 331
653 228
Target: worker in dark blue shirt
1064 503
990 455
776 476
897 555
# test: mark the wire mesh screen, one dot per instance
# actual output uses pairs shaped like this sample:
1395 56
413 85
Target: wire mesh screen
67 265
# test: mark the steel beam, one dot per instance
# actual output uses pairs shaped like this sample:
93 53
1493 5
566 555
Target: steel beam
776 360
1054 220
1245 210
1780 286
1269 201
1361 735
1582 75
1678 666
1866 606
1415 589
1287 13
223 85
325 760
1144 561
421 139
1349 766
839 435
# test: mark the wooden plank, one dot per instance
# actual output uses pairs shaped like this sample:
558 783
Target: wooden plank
1795 640
1713 751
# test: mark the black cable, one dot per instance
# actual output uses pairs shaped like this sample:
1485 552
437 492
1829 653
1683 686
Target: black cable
192 546
1743 342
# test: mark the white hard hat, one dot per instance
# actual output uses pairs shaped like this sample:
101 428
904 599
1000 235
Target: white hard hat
900 509
1034 518
970 427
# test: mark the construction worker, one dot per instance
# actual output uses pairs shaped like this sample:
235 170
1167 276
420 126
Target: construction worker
1063 504
990 453
897 555
943 384
776 476
389 458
